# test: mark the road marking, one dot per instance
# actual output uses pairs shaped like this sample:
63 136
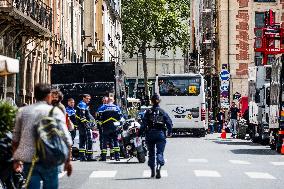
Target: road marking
103 174
240 162
259 175
206 173
147 173
60 175
277 163
197 160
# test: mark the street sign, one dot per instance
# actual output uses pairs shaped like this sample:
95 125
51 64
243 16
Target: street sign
224 88
225 94
224 75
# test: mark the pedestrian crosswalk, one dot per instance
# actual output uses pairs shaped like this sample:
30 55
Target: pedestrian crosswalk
164 173
204 170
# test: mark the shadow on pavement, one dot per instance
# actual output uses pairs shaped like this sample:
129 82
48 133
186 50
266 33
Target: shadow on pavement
122 162
144 178
236 143
254 151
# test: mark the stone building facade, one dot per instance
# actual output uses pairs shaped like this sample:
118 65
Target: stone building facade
44 32
236 22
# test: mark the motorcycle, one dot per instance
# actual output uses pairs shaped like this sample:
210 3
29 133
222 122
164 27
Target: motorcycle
9 179
133 145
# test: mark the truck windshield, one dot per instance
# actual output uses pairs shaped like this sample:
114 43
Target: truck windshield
179 86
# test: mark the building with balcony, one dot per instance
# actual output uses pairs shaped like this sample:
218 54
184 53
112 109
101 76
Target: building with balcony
26 30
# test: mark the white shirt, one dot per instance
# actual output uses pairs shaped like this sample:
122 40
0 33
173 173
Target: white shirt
23 131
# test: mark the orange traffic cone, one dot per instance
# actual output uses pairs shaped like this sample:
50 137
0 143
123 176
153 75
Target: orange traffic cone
282 147
223 134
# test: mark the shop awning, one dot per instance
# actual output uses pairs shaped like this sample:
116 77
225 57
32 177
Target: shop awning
8 65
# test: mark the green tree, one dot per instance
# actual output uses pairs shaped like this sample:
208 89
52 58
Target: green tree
164 22
7 117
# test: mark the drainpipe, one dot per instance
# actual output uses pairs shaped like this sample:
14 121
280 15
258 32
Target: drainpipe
62 31
72 27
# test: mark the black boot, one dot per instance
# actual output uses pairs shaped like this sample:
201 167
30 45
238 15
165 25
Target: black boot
158 172
153 173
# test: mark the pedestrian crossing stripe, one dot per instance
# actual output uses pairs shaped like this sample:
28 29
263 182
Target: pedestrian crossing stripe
277 163
259 175
103 174
147 173
239 162
206 173
197 160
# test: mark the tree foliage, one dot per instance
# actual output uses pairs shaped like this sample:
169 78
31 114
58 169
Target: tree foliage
164 22
7 117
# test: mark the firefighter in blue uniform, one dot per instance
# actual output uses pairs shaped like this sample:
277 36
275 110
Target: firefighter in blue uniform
104 101
109 115
71 112
84 121
156 125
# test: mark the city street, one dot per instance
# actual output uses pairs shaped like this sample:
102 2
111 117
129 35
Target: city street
200 163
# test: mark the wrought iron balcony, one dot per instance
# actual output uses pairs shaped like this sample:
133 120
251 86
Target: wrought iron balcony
34 10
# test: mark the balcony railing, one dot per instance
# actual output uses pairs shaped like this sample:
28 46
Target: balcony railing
36 9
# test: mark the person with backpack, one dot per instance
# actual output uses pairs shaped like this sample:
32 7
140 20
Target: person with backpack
156 124
40 154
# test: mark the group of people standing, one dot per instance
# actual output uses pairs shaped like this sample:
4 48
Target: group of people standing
72 118
80 118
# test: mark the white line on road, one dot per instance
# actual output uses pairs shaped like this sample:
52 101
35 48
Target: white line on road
60 175
103 174
197 160
206 173
259 175
240 162
147 173
277 163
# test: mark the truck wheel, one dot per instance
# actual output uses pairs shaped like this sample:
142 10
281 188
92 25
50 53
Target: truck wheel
202 133
141 157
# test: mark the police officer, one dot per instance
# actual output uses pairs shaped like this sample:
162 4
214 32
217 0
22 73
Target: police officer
155 124
84 119
109 114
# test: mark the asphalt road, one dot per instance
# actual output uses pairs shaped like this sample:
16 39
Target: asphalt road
201 163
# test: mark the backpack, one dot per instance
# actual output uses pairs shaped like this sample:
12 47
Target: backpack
156 119
51 147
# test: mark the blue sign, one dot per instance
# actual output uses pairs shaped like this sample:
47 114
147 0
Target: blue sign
224 75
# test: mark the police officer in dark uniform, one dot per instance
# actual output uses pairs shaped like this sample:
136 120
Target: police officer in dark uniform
156 125
84 121
109 115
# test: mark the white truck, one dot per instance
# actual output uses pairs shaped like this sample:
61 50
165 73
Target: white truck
276 111
259 91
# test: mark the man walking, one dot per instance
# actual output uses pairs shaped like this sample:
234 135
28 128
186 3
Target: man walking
233 118
83 120
24 139
155 124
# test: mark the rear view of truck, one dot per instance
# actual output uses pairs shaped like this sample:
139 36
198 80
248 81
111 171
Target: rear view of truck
276 108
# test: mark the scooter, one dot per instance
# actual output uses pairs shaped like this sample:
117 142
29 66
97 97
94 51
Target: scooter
133 144
9 179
